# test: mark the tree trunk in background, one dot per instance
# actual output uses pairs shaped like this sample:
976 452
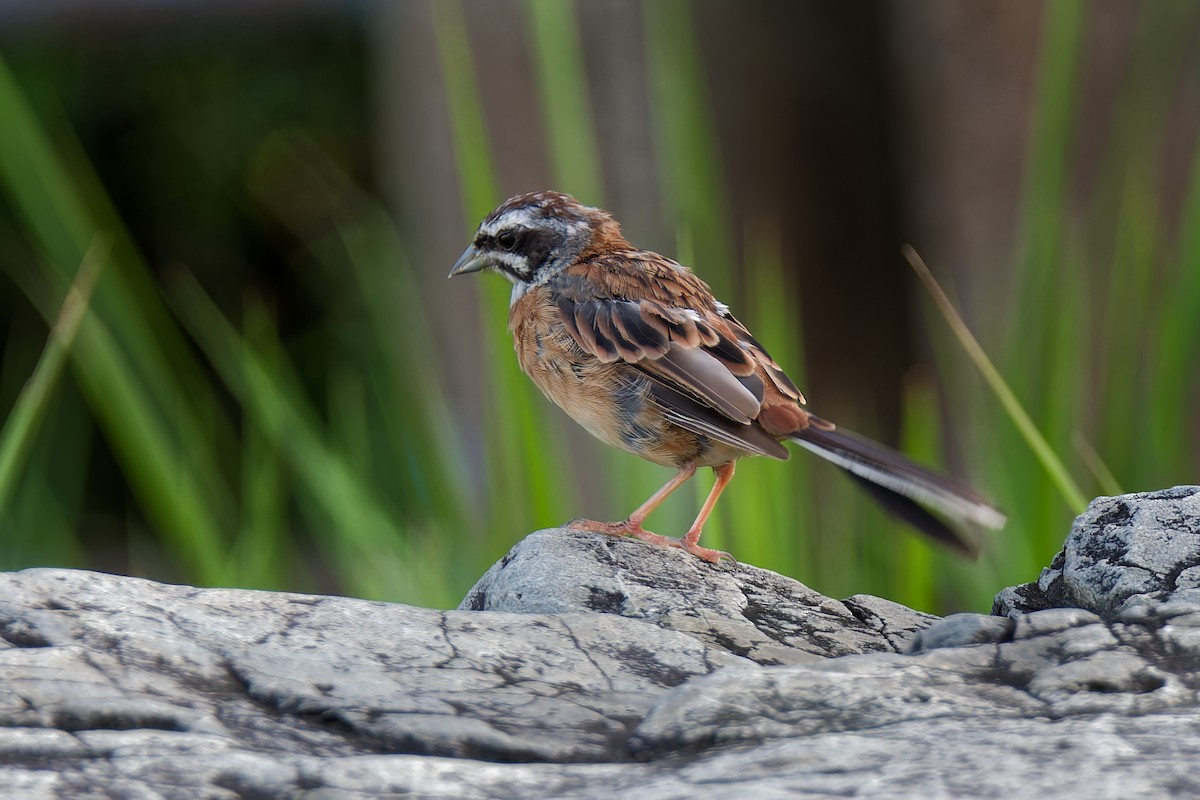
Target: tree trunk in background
801 96
962 76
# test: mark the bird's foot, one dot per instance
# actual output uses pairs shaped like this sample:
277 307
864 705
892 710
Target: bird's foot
635 529
708 554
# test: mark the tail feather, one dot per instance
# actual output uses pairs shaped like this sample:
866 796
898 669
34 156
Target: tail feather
900 484
909 512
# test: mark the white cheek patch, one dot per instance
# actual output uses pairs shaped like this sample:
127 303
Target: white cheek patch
514 261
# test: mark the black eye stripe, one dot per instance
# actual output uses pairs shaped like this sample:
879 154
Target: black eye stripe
532 245
507 239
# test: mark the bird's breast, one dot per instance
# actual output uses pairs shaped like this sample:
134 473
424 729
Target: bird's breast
610 400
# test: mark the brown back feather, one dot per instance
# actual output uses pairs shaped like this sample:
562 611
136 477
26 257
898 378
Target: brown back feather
654 313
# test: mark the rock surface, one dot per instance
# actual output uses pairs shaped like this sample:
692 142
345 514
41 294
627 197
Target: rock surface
1122 553
748 611
628 672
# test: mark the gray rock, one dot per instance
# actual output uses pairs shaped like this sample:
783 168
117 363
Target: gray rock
691 681
751 612
1044 671
1122 552
959 630
97 666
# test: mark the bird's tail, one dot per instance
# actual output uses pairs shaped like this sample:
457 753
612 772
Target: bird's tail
902 486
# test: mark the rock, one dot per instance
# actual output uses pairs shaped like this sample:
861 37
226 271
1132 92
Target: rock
752 612
105 672
629 672
1122 552
960 630
1051 664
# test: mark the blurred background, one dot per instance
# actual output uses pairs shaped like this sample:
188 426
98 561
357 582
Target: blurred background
231 357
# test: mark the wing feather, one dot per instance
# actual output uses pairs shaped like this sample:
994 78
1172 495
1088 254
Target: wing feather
657 316
691 415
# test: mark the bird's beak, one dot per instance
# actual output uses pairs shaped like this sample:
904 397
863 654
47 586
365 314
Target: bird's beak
470 261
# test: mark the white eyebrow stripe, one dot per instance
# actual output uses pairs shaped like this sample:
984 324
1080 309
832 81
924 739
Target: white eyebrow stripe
518 217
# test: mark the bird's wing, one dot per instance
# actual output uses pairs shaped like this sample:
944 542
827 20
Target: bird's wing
709 373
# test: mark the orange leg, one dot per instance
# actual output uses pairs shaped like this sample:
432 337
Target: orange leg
692 537
644 510
633 525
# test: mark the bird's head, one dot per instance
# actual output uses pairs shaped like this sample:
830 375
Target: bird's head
532 237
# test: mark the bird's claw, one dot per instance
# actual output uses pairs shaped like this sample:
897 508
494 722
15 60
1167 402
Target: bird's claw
635 530
709 555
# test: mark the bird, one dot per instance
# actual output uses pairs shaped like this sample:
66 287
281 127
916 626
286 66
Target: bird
635 347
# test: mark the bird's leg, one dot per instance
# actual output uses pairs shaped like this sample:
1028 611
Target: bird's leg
633 525
691 539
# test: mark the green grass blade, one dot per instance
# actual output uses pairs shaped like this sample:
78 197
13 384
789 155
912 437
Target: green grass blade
62 204
370 546
1100 471
1175 380
385 353
915 556
41 518
141 381
1044 187
564 88
165 485
24 420
261 554
686 140
775 504
476 176
524 485
1016 412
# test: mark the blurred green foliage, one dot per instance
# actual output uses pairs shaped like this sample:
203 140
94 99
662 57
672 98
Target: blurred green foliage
259 450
